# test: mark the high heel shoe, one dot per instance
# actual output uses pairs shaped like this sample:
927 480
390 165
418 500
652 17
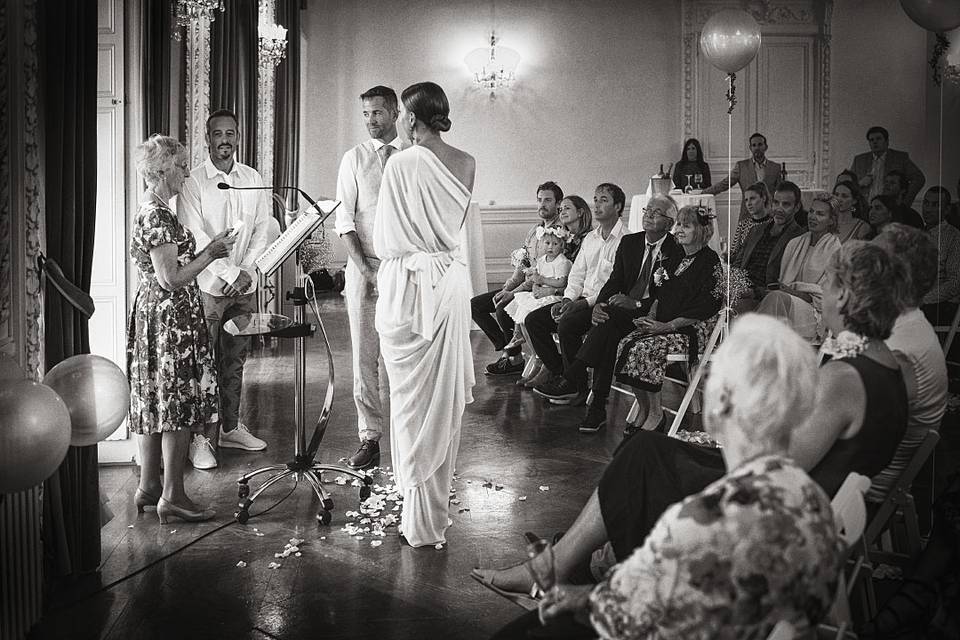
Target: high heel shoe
143 500
167 510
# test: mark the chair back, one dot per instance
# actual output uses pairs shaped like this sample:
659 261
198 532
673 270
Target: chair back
949 331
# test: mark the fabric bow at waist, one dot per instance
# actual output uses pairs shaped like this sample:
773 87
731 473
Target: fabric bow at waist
427 270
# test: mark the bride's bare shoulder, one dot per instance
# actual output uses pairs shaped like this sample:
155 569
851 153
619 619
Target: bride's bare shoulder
463 165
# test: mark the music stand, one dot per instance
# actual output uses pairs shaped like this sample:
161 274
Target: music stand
303 466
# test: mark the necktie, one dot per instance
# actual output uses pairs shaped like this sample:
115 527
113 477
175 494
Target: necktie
639 290
384 153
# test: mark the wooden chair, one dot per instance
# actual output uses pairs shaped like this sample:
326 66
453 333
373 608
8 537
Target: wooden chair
897 514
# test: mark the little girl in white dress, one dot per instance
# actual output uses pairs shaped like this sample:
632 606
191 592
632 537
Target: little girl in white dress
548 279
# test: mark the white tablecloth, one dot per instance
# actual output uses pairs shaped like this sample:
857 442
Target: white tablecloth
640 200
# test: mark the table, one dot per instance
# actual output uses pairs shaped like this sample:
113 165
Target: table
639 201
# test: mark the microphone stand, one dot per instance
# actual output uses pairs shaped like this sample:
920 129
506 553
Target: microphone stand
303 465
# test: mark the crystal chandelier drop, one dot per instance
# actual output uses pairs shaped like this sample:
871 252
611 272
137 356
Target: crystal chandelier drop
493 67
187 12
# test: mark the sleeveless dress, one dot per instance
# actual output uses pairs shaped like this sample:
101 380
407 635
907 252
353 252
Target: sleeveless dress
173 383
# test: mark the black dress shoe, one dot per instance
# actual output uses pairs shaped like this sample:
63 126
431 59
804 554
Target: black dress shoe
367 455
595 420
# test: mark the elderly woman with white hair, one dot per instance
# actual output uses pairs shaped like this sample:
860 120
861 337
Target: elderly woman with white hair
756 546
173 383
803 270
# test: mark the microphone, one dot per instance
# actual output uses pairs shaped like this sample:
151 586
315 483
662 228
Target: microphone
223 186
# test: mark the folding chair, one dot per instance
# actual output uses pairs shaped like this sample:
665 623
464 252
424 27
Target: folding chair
695 374
949 332
897 513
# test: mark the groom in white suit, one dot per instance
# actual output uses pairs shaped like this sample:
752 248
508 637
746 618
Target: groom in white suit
358 187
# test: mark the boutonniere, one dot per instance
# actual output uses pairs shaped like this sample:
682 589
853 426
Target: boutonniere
846 345
660 274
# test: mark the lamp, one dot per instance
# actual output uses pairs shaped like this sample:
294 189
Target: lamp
273 41
186 12
493 67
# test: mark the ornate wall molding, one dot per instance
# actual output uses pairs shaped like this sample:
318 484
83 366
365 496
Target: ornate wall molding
266 90
197 91
33 196
9 244
799 18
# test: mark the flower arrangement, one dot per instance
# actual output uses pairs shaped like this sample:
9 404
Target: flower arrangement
739 283
845 345
520 258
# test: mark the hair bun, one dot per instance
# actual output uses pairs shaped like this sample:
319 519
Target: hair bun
440 122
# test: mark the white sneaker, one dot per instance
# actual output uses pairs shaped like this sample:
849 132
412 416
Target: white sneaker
241 438
201 453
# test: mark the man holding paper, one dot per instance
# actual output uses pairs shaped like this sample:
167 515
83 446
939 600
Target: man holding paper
228 285
358 188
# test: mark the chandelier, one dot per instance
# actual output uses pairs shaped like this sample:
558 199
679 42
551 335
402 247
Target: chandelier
273 41
493 67
187 12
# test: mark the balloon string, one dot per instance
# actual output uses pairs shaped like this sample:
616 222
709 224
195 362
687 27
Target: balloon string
939 182
730 95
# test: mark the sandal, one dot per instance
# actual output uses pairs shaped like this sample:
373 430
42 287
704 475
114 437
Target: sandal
525 600
907 612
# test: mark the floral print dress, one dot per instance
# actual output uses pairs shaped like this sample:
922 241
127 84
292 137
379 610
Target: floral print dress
169 358
753 548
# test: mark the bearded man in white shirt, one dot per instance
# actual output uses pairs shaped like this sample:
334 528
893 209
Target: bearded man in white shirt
358 189
228 285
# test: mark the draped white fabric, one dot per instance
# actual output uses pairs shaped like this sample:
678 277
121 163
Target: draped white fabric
423 318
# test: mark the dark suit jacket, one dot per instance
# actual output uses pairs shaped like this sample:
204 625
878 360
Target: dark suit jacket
629 261
896 160
745 175
740 259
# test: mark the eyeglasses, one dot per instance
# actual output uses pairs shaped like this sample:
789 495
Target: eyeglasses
647 211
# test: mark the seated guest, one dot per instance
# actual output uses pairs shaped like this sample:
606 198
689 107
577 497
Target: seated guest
882 210
627 295
856 424
851 213
895 185
846 176
570 318
757 199
680 320
575 216
915 339
874 165
715 564
762 249
487 309
803 270
691 165
940 304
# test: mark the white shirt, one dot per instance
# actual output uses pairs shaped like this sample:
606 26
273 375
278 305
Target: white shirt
877 171
914 337
358 187
208 211
594 263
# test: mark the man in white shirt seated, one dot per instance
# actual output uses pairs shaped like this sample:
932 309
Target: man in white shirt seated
488 309
913 337
571 318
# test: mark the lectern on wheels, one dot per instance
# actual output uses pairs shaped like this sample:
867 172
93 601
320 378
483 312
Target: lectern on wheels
303 466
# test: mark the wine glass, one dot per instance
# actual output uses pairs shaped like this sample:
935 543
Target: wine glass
542 566
698 179
689 186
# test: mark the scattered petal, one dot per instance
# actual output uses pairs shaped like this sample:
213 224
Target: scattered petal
129 526
454 501
464 509
498 487
522 498
273 565
298 554
487 484
260 535
438 546
544 487
241 564
174 531
323 537
376 543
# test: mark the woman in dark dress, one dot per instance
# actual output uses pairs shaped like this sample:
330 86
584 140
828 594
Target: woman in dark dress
680 320
576 216
856 425
692 164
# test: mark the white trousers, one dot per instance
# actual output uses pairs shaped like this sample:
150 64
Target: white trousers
361 300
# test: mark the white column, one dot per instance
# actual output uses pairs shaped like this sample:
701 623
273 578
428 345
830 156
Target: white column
266 88
197 92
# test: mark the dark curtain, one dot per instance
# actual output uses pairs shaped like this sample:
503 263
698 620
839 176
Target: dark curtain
155 31
233 70
286 156
67 56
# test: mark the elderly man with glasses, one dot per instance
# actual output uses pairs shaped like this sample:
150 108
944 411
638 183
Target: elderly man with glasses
628 294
